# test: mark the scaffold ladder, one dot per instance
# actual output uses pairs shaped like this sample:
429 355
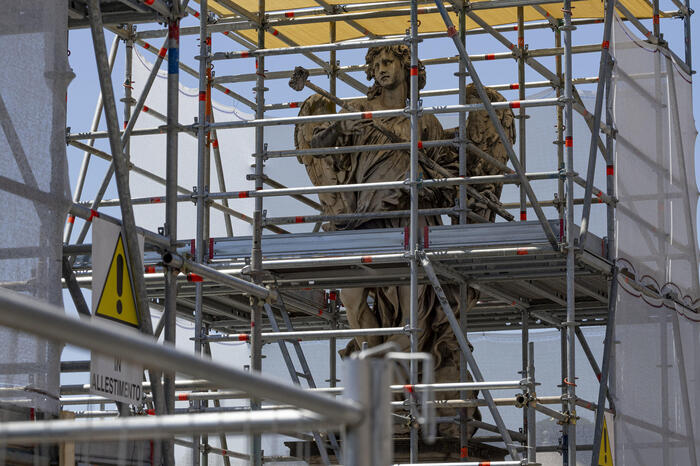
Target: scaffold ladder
295 375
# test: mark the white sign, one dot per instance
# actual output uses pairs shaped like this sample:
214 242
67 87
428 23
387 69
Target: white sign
113 300
115 379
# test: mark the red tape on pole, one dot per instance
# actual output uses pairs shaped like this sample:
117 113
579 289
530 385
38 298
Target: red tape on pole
193 277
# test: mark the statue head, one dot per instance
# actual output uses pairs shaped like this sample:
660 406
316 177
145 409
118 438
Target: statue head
390 66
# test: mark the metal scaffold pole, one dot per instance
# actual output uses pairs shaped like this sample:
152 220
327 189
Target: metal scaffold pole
463 215
128 87
413 223
687 33
525 332
255 447
570 325
530 409
561 210
170 230
521 113
201 191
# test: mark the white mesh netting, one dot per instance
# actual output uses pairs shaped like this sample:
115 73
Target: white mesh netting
33 187
656 340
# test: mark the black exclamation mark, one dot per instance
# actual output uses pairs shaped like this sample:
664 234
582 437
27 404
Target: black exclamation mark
605 446
120 281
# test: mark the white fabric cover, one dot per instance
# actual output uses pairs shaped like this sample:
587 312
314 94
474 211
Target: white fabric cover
655 166
655 395
33 187
656 340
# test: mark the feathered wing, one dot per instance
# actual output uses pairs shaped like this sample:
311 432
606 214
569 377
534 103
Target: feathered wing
483 134
322 170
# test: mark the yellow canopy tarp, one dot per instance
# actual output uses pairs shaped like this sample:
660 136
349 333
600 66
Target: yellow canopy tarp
319 33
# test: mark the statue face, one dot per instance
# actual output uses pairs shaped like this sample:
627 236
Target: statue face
387 69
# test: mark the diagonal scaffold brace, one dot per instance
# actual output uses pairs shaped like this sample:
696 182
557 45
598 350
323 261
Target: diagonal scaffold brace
467 352
452 32
603 72
121 169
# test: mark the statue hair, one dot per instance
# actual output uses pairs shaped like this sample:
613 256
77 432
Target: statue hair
403 53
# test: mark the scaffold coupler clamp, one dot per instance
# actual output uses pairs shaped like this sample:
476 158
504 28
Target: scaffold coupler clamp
195 196
272 296
173 261
563 100
419 182
570 416
408 329
408 39
419 111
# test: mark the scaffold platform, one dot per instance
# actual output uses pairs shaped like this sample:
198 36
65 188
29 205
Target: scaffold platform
512 265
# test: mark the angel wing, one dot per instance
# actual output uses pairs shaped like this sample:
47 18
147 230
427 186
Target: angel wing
483 134
321 170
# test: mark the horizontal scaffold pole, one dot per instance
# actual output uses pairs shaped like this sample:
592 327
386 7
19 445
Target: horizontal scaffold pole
24 313
592 48
359 44
158 427
202 271
472 180
297 120
311 334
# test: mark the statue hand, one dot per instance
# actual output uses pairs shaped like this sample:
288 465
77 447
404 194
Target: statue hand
327 137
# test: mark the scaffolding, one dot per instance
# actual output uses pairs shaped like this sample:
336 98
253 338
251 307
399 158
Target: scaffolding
261 289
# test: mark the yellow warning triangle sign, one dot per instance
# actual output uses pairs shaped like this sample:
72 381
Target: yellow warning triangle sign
117 298
605 458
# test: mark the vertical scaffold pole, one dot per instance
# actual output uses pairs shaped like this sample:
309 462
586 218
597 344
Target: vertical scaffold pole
209 245
686 30
128 67
332 76
413 226
463 286
255 447
123 408
332 362
560 133
521 120
564 443
201 194
171 173
610 168
462 85
561 166
532 431
525 331
332 295
570 380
